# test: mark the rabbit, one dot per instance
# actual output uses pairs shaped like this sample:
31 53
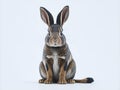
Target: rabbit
57 65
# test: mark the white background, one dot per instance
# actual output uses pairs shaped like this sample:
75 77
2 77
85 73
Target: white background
92 32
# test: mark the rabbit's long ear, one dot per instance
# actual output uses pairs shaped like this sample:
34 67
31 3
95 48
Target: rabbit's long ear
46 16
63 15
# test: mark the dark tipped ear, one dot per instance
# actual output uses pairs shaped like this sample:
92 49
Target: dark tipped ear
63 15
46 16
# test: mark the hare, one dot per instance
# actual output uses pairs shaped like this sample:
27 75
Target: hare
57 65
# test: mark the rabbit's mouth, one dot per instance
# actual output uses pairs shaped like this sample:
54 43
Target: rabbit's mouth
54 45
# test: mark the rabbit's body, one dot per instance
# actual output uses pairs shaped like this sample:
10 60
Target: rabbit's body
58 55
57 65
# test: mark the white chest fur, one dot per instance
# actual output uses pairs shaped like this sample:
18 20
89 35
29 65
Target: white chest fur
55 58
55 64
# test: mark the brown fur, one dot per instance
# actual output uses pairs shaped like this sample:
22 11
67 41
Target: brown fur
81 81
61 50
49 72
62 75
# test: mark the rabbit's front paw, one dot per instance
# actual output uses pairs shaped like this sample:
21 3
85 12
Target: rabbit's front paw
48 81
62 81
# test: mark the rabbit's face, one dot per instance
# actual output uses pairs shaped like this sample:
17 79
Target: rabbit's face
55 37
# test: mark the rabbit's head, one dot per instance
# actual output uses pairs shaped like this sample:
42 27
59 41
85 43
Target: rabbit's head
55 37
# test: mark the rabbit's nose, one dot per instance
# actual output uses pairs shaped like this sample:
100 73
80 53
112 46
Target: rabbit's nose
55 41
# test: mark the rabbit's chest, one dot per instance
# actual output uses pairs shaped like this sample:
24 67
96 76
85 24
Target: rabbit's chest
55 58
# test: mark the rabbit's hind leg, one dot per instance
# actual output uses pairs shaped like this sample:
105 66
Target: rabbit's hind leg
42 73
71 70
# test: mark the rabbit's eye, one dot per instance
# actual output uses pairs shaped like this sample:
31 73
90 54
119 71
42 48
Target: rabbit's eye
49 33
61 34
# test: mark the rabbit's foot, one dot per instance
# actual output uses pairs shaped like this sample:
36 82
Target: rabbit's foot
62 81
48 81
41 80
71 81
